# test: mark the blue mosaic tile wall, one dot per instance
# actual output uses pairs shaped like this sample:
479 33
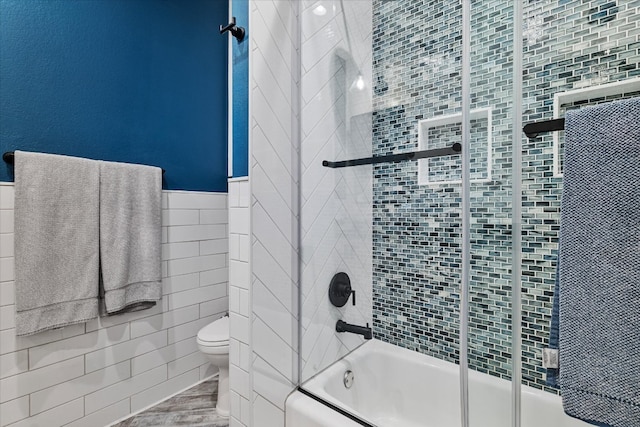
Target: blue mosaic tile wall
568 44
448 168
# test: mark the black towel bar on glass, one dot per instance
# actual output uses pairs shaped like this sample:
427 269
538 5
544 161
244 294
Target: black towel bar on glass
533 129
10 158
413 155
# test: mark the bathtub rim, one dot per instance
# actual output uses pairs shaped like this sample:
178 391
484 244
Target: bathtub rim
373 345
330 404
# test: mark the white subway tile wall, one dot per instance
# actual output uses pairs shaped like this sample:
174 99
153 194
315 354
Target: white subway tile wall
95 373
239 376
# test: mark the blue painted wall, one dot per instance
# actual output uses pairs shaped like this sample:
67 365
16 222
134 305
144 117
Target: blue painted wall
241 92
141 81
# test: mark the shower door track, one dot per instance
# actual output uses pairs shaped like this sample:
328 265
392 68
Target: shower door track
335 408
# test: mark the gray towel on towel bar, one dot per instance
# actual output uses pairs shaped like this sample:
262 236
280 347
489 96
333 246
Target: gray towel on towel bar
600 265
130 236
56 241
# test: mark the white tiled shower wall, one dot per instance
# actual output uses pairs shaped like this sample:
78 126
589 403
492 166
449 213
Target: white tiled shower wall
94 373
274 206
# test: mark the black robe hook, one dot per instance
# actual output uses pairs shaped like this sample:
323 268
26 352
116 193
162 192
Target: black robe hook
237 32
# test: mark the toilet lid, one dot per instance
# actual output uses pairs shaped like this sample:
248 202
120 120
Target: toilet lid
215 332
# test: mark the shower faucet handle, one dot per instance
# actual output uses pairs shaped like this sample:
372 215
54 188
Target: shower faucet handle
340 290
347 291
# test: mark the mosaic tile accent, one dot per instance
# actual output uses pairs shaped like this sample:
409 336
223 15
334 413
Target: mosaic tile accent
568 44
448 168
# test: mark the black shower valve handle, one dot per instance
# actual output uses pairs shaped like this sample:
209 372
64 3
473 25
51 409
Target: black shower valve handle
348 292
340 290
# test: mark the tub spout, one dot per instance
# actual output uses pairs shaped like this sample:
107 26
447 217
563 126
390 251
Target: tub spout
365 331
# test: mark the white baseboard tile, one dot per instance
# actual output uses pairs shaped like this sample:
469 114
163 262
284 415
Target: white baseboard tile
207 371
159 393
104 416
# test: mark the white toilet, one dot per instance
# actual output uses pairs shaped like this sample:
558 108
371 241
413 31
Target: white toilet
213 340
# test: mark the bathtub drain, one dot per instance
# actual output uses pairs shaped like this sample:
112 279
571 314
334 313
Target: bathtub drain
348 379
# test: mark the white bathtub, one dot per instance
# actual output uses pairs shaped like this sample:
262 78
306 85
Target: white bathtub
395 387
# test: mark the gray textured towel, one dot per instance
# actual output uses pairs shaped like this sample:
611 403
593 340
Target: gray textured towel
130 234
56 241
600 265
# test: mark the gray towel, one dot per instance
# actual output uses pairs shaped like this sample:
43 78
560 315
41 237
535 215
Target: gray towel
130 234
600 265
56 241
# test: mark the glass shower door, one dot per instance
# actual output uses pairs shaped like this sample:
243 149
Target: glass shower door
378 79
493 220
336 221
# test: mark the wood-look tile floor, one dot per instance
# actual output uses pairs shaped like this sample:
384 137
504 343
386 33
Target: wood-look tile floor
193 407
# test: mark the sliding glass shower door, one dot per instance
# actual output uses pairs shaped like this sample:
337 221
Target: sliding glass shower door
452 255
336 216
429 258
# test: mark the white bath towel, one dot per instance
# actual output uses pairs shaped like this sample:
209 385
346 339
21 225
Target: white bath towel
56 241
130 236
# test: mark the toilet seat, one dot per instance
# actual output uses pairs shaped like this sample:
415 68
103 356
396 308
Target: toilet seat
215 334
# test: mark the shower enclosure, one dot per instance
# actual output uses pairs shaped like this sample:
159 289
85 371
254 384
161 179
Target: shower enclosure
451 255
